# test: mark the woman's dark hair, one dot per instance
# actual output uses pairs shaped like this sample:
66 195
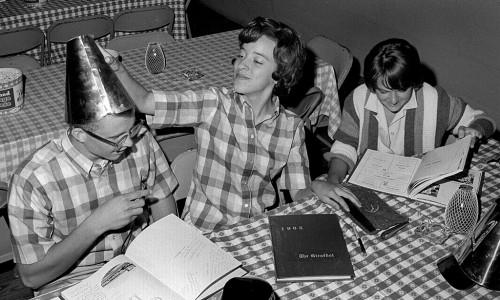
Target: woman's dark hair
397 62
289 52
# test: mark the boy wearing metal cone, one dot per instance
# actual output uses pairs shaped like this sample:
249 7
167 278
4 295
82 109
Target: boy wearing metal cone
79 200
246 139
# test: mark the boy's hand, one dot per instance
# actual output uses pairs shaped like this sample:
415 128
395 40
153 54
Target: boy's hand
118 212
333 194
476 135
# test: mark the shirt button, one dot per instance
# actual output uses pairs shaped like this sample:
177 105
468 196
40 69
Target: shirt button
252 136
246 205
392 133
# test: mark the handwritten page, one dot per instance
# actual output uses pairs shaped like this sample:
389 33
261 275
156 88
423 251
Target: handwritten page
180 256
385 172
170 260
133 284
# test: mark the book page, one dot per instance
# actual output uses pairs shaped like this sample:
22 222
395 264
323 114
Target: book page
120 279
180 256
385 172
219 284
440 163
440 192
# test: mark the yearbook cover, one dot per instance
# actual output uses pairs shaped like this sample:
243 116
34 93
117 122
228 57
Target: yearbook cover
309 247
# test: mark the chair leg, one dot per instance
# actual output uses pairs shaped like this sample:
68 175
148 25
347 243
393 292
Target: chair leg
324 140
16 272
188 27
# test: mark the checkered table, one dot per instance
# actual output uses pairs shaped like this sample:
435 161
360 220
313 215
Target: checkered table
15 13
402 267
42 118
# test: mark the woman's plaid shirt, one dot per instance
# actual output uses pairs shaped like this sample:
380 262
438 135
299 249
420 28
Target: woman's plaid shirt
237 159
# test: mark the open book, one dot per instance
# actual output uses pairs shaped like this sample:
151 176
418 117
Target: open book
168 260
408 176
440 192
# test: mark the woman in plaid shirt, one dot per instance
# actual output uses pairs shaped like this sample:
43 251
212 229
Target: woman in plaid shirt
246 139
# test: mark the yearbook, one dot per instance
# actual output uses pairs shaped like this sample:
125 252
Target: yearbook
309 247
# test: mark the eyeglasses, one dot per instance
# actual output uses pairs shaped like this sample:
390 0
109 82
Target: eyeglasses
132 133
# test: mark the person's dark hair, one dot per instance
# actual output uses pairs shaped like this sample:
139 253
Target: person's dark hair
289 52
397 62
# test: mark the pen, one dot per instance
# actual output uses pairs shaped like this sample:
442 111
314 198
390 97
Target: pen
393 230
360 242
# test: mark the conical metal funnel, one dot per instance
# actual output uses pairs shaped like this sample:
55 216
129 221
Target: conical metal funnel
92 88
477 259
482 265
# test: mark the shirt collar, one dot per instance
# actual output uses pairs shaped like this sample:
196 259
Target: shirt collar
373 104
80 160
241 102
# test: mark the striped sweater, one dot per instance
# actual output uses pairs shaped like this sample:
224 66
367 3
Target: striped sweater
436 114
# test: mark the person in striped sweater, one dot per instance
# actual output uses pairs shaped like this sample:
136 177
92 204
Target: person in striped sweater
395 111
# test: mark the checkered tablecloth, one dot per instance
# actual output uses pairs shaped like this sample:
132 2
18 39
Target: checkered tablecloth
15 13
402 267
42 118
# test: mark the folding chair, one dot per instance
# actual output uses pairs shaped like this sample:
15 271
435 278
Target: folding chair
14 42
340 58
5 249
182 166
145 23
305 106
335 54
64 30
139 40
188 27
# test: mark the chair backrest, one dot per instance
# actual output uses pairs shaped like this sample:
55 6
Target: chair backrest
335 54
182 166
139 40
5 248
3 201
64 30
22 62
305 106
144 19
3 194
21 39
188 27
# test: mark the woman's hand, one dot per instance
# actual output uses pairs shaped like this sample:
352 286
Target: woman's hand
333 194
476 135
111 57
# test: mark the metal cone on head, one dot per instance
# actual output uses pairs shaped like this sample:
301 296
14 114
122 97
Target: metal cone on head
92 88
